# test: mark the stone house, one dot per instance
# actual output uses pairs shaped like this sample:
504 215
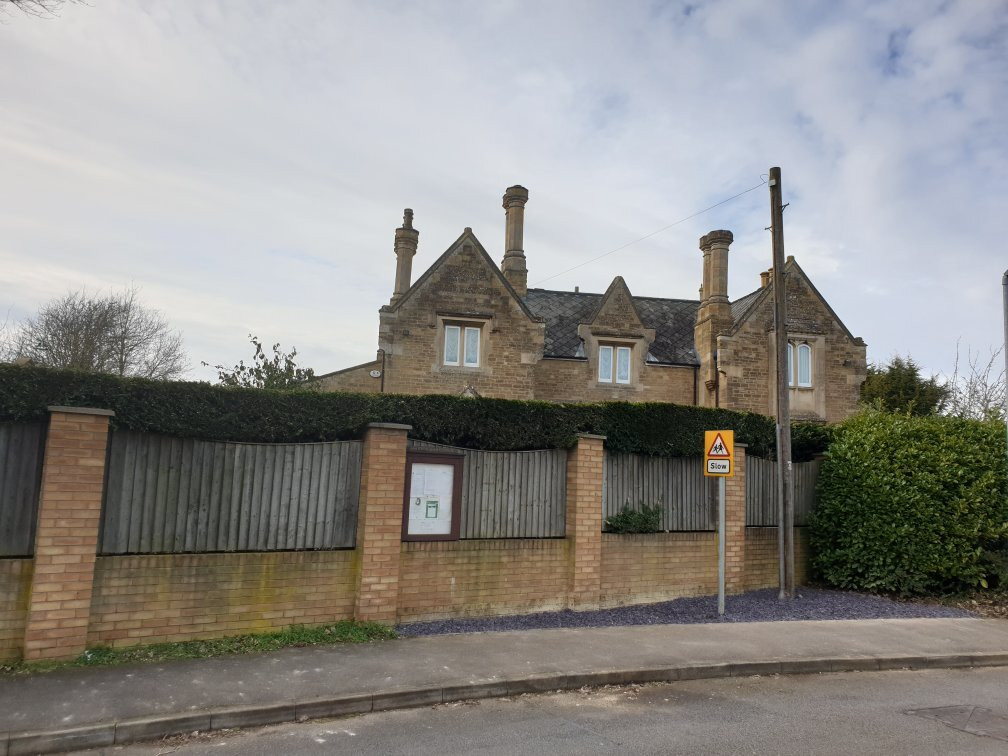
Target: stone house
469 327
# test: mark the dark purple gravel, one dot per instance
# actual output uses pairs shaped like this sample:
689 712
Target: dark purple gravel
755 606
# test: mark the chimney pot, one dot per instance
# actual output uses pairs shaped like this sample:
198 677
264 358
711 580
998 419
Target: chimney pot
764 278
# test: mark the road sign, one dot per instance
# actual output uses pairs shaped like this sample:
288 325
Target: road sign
719 453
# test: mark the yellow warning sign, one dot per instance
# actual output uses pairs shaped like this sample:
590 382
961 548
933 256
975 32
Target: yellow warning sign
719 454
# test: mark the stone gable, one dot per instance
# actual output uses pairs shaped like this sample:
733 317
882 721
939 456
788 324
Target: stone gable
747 365
463 289
616 312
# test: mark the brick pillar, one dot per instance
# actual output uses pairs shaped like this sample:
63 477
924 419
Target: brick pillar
735 524
585 468
66 535
379 522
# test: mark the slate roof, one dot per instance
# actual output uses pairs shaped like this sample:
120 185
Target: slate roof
562 311
741 305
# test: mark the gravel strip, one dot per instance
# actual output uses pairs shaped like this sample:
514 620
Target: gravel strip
755 606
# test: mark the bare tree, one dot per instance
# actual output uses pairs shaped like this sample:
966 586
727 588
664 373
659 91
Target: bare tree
113 334
977 388
38 8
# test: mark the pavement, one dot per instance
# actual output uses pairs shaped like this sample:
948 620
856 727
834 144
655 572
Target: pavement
84 708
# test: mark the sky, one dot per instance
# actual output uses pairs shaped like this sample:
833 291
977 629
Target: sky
245 163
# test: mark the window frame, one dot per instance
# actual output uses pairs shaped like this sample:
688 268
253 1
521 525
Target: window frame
807 348
615 352
457 332
795 350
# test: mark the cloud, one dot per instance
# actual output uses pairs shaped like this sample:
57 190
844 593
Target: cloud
246 164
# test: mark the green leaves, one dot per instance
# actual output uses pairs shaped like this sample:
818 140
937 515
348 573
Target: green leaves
238 413
909 504
644 520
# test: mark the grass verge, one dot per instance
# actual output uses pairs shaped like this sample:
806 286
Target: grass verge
345 631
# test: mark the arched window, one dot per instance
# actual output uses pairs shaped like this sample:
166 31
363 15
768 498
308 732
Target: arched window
790 364
804 365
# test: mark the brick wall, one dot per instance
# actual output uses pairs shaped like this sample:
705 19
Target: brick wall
761 565
585 471
439 579
657 567
79 599
379 521
15 580
66 536
174 597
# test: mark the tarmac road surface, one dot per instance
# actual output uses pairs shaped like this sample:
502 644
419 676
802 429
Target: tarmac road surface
959 711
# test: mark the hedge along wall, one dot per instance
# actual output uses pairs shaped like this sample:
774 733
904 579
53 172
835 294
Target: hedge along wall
909 504
216 413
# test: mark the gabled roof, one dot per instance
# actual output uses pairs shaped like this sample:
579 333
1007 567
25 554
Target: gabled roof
671 319
467 237
741 308
616 292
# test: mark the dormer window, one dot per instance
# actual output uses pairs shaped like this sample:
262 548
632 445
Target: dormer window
462 345
614 364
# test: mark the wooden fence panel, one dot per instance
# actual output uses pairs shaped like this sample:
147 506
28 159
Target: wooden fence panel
675 484
761 491
21 451
176 495
509 494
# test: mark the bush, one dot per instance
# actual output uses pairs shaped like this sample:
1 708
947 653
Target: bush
223 413
909 504
645 520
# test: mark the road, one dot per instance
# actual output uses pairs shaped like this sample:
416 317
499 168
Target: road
859 712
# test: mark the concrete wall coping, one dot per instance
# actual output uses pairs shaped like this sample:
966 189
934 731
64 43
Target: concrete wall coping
389 426
591 435
81 410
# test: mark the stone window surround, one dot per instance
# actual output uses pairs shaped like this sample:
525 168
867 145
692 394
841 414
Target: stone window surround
804 400
482 322
615 343
794 360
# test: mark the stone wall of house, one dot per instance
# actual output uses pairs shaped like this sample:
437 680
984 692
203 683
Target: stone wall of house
464 289
562 380
747 365
356 379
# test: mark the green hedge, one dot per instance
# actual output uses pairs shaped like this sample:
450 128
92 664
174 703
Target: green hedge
200 410
909 504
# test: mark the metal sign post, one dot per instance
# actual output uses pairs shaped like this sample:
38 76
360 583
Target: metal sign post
720 547
719 462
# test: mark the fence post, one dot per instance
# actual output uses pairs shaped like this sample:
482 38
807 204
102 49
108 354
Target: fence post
379 522
735 524
66 535
585 469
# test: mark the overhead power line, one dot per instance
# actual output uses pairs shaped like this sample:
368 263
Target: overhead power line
653 233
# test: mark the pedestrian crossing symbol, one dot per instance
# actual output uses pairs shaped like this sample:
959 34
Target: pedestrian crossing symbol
719 453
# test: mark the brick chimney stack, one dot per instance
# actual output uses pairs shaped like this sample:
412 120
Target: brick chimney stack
513 266
406 238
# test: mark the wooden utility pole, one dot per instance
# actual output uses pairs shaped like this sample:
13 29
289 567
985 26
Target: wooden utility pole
785 490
